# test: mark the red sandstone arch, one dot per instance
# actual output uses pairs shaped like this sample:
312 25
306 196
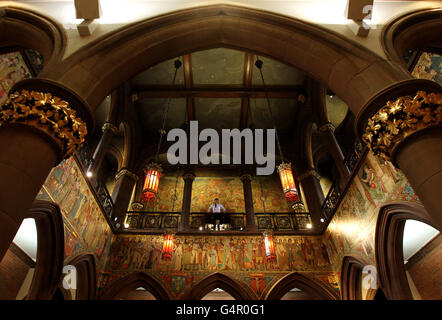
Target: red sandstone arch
50 250
32 30
349 69
128 283
313 287
388 246
413 30
86 276
235 288
350 279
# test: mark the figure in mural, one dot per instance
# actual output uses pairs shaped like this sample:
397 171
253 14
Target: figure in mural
12 70
375 190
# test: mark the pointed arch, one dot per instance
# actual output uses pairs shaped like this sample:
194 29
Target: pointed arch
31 30
233 287
388 246
130 282
413 30
50 249
86 276
313 287
351 278
342 65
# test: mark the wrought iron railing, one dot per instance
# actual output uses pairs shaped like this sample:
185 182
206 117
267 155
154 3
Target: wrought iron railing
354 155
335 193
199 221
152 220
330 201
283 221
85 158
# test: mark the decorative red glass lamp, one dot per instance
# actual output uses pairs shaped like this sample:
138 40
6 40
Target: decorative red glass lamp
151 182
269 246
168 246
288 182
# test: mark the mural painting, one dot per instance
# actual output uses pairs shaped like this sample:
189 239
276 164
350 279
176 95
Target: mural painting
12 69
352 229
229 190
271 198
164 199
429 66
195 257
86 229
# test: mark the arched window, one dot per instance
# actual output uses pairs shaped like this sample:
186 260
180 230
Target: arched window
296 285
210 285
218 294
404 234
130 287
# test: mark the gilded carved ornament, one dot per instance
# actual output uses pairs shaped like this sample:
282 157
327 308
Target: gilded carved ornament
46 113
401 118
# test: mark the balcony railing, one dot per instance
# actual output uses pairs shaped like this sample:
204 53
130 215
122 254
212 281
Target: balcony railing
335 194
330 201
200 221
102 194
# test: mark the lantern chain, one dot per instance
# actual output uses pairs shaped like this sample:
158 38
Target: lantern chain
177 63
259 65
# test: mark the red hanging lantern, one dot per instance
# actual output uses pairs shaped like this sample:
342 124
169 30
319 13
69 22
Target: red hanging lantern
152 181
288 182
269 247
168 245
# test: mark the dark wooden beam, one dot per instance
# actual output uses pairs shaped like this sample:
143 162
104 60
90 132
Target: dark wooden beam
190 105
219 91
247 81
188 79
188 84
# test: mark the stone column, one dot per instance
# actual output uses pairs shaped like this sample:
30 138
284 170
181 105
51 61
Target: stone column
314 196
39 127
124 185
137 204
328 133
407 130
246 179
97 159
187 197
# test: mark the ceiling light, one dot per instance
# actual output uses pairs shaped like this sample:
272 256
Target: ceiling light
89 174
309 225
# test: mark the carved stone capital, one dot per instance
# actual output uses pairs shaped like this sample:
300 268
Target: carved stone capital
246 177
136 206
326 127
126 172
48 114
188 176
399 119
308 173
109 126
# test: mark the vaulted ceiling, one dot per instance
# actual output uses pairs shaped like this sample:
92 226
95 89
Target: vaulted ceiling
221 88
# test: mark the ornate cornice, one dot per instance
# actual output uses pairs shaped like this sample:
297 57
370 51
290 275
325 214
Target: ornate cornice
136 206
109 126
48 114
401 118
126 172
246 176
189 176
